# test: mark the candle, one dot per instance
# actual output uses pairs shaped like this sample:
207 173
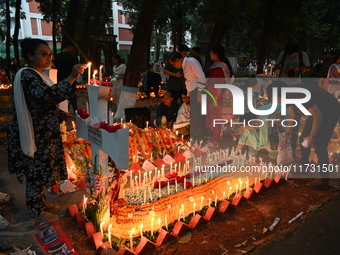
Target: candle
147 124
236 188
201 205
185 182
175 168
158 174
150 193
152 219
136 185
87 107
166 222
109 234
193 180
176 185
179 167
88 72
94 77
223 196
200 143
183 211
216 201
209 201
141 230
131 241
159 190
100 74
168 188
84 206
170 167
194 208
101 229
163 175
150 175
131 179
159 224
230 188
139 177
179 215
121 120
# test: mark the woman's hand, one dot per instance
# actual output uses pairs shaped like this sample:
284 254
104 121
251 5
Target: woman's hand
310 140
76 71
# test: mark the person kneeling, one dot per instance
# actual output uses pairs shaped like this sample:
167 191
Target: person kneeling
166 112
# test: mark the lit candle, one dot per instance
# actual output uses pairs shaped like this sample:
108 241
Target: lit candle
159 224
136 184
131 240
163 175
94 77
230 188
209 201
240 186
141 230
194 208
216 201
236 188
193 180
176 185
179 215
150 175
175 168
101 229
170 167
109 234
84 206
168 188
88 73
131 179
185 183
100 74
166 222
183 211
159 190
200 143
152 219
158 174
201 205
147 124
223 196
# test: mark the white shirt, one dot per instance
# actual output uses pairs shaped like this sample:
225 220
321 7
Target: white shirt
193 74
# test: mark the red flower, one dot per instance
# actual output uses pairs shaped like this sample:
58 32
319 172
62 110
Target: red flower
151 144
172 181
189 185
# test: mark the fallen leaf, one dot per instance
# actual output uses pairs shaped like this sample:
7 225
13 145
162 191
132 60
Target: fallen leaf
204 242
253 238
243 229
264 230
242 251
245 243
238 245
225 253
185 238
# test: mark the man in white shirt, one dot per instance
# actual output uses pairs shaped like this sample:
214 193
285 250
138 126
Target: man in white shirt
194 79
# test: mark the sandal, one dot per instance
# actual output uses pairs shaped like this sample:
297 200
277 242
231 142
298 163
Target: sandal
45 217
51 207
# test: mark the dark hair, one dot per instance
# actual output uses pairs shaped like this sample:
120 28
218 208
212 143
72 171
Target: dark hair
66 43
175 55
250 82
29 45
275 84
120 60
248 116
197 49
291 48
219 50
183 47
335 58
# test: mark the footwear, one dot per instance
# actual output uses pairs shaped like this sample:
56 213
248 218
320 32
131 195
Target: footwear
318 184
45 217
51 207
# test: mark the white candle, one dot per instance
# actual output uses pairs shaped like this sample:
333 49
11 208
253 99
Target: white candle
185 183
100 74
147 124
200 143
150 193
87 107
89 73
170 167
179 167
159 224
84 205
194 208
175 168
166 222
183 211
168 188
121 120
101 229
94 77
223 196
163 175
201 205
139 178
141 230
150 175
159 190
131 179
131 241
209 201
179 215
216 201
109 234
176 185
152 219
158 174
236 188
144 195
193 180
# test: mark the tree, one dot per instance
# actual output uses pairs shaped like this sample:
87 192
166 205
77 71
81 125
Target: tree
148 13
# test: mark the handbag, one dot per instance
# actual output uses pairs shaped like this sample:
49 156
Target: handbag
274 138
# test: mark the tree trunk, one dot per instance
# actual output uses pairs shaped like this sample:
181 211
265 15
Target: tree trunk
8 37
16 32
139 47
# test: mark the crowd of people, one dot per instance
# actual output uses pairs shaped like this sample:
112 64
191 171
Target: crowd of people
35 150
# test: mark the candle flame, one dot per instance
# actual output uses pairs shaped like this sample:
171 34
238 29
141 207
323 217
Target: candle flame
132 231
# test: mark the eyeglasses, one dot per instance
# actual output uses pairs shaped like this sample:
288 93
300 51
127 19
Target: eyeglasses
45 55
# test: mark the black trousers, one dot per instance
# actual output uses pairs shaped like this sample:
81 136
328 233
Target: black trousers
197 120
323 137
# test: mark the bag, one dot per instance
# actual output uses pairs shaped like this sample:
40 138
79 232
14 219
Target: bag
285 152
274 138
